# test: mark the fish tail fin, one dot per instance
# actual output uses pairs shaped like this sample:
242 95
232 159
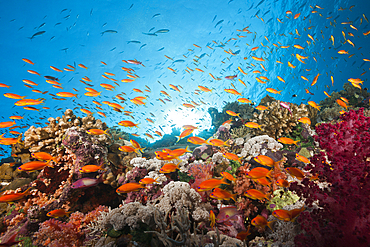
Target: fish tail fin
268 196
142 149
295 142
178 139
27 191
2 135
269 224
279 92
188 150
106 131
224 181
207 141
233 197
226 142
55 159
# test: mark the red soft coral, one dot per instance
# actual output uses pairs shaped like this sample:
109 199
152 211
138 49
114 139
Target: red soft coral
343 218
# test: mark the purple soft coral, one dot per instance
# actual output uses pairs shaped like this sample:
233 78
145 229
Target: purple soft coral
344 216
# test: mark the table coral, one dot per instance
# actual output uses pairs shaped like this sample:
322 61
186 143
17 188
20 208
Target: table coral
343 216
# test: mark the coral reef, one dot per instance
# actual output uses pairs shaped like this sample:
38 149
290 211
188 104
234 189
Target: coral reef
48 139
259 145
277 121
180 195
343 215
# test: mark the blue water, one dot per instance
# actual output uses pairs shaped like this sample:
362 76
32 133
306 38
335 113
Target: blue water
74 34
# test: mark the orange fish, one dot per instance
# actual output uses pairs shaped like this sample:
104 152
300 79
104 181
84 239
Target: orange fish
97 131
232 156
305 120
244 100
314 105
243 234
261 107
43 156
256 194
25 102
228 176
261 222
197 140
287 215
85 111
231 113
295 172
253 125
82 66
265 160
221 194
280 79
271 90
232 91
9 141
34 166
211 184
286 140
148 181
4 85
258 172
168 168
315 79
13 96
29 82
342 103
302 158
6 124
66 94
217 142
212 218
342 52
28 61
127 123
263 181
33 72
258 59
282 183
58 213
291 65
56 69
91 168
129 187
128 149
205 89
10 198
179 152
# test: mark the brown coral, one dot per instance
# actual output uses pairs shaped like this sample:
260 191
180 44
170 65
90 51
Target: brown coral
48 139
277 121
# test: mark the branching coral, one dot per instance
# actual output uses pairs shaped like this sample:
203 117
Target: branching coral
277 121
49 138
179 194
343 216
259 145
